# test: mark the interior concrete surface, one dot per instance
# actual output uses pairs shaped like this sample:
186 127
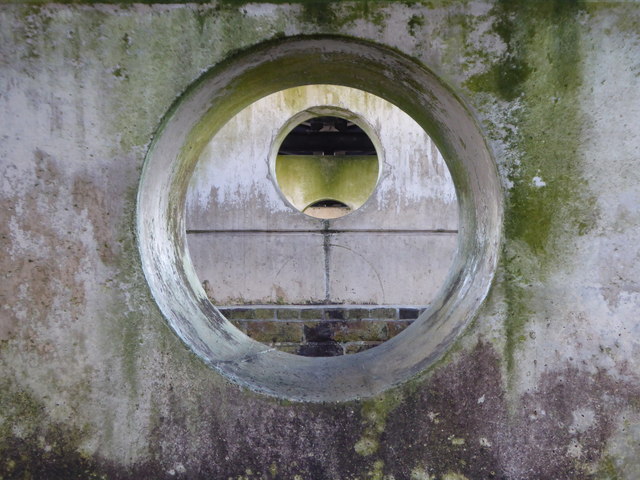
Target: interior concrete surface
238 219
542 384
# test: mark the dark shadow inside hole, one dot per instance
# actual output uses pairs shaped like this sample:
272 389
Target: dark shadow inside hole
328 204
327 136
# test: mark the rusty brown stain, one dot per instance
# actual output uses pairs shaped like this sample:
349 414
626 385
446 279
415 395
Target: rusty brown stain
43 273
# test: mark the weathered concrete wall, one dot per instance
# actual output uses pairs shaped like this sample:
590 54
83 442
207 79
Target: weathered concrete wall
543 383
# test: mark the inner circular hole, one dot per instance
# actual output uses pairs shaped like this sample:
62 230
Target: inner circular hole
327 166
324 283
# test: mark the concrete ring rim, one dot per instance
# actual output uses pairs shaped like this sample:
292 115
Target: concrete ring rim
200 325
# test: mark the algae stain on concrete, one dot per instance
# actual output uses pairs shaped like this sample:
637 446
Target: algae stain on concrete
454 476
548 204
607 470
374 413
333 15
305 179
414 24
33 447
319 13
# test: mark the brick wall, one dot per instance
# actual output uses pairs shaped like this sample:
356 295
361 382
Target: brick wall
321 330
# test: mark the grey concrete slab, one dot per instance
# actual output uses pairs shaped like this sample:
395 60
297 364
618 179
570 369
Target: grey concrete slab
377 268
260 268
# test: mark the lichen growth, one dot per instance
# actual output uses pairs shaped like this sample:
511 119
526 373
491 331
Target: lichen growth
454 476
366 446
607 470
31 446
374 413
414 22
318 12
377 471
548 203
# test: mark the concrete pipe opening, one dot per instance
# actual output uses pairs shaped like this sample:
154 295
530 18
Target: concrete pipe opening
217 97
326 178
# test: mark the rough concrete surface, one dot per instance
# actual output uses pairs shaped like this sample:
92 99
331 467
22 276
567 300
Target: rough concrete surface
542 384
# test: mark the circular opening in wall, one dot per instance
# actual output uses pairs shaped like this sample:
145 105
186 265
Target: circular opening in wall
321 284
210 104
326 166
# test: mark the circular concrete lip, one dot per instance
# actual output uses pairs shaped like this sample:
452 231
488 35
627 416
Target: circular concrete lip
218 96
320 111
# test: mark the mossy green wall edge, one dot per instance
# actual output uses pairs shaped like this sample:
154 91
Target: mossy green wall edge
541 68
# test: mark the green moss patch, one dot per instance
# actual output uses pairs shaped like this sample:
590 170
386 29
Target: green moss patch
306 179
548 203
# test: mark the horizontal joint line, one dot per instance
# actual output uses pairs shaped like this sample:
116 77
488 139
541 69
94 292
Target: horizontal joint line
323 232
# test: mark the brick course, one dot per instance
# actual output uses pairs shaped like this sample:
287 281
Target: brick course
321 330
